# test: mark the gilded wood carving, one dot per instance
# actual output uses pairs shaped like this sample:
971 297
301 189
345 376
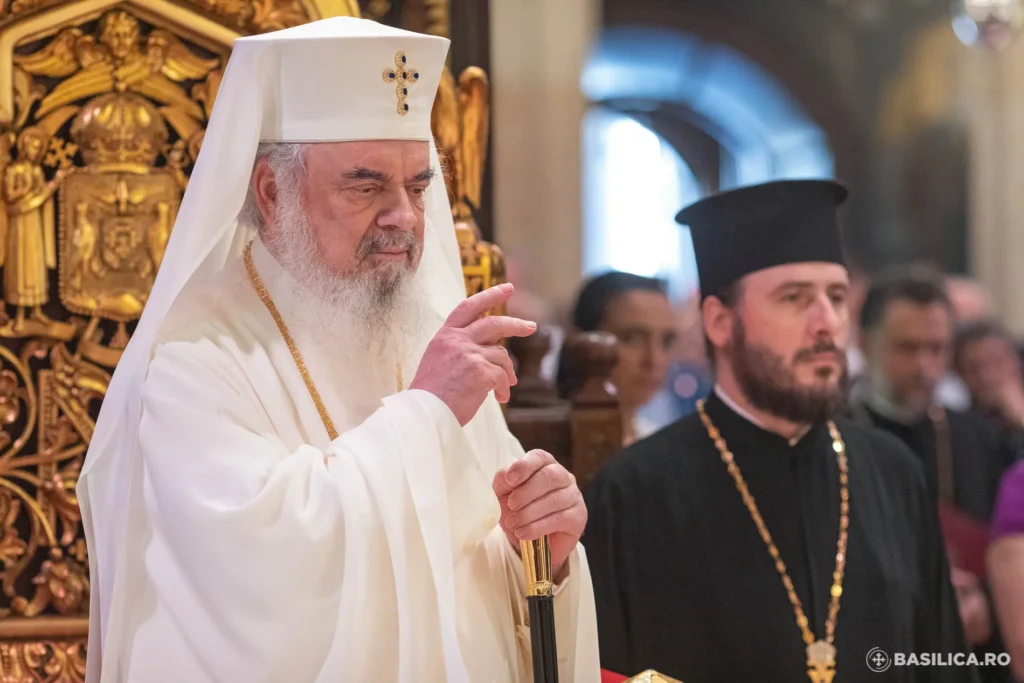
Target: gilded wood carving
461 120
423 16
103 108
242 16
105 111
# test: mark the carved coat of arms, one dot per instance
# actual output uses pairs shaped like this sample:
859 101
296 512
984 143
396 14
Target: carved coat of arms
103 116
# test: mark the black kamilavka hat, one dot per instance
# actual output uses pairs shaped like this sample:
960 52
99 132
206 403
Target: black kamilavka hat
748 229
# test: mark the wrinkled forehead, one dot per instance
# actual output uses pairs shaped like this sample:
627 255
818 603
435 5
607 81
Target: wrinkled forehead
390 157
816 274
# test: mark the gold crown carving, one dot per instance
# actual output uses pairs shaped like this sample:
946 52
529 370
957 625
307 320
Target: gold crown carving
119 129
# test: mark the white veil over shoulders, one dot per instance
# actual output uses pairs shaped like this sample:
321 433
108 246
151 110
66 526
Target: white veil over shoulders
332 80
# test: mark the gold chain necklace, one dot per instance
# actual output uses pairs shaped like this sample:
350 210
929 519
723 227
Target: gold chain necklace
821 654
261 291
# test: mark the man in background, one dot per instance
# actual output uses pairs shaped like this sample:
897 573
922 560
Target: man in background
986 358
907 337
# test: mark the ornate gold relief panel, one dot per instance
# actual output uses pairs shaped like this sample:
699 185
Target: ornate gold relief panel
242 16
103 108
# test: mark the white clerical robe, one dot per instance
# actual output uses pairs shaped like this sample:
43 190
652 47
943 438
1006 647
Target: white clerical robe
264 552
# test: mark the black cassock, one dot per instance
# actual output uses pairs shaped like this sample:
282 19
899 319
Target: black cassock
684 583
981 454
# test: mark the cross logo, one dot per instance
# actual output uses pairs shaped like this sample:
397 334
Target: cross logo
878 660
403 76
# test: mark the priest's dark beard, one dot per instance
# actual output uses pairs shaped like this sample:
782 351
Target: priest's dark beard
769 384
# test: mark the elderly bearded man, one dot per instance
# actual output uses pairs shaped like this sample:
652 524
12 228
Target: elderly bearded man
299 468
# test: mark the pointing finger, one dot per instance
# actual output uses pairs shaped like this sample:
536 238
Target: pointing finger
475 306
494 328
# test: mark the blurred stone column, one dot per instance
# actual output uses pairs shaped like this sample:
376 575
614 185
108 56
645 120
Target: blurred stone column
538 49
996 123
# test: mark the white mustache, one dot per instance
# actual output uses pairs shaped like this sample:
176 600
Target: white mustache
387 240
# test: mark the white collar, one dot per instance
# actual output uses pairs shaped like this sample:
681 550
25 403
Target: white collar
735 407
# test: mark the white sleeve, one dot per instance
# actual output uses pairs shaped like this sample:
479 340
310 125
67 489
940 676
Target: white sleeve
262 548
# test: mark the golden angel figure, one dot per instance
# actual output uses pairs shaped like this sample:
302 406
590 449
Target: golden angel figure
119 63
460 119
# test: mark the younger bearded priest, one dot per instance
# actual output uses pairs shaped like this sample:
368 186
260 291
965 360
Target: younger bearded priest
300 472
764 539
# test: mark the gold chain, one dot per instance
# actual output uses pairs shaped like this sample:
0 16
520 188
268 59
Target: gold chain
844 523
261 291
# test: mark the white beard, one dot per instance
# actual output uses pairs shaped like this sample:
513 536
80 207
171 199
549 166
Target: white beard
374 318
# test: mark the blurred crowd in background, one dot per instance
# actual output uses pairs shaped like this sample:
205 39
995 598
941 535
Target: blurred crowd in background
928 361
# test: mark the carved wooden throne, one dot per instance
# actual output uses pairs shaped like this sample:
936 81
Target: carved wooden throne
103 108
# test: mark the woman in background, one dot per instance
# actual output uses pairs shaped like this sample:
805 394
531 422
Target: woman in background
1006 565
637 311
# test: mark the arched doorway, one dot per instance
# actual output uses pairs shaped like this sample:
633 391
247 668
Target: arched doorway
675 117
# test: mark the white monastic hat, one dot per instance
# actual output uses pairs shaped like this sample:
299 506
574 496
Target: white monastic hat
338 79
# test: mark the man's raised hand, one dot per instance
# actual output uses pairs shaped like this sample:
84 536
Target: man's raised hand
463 362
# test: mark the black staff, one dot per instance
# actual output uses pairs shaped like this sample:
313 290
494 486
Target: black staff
540 597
